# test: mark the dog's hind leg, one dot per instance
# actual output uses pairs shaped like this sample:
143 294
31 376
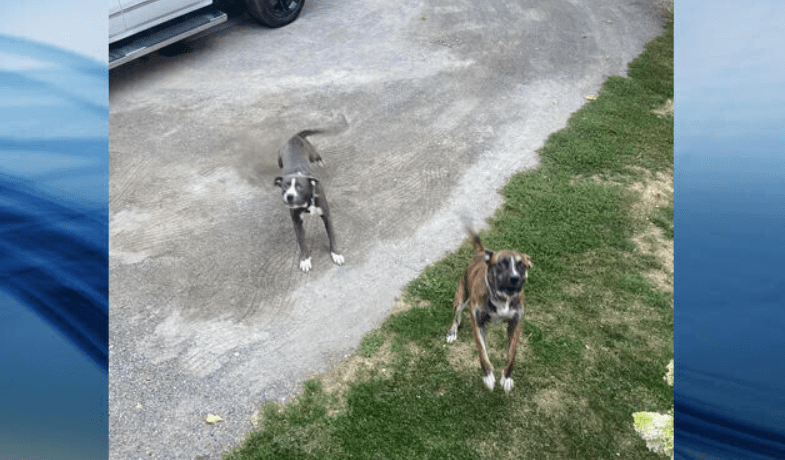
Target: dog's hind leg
452 334
313 155
459 304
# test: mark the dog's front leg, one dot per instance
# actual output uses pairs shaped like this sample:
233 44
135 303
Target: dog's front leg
479 318
299 231
337 258
514 336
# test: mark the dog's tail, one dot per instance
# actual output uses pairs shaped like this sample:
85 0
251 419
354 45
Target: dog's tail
309 132
477 242
341 126
475 237
469 228
481 251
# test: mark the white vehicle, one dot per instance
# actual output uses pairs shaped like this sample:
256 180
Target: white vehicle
139 27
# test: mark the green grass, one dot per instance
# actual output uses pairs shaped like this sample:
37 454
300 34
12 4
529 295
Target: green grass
370 344
663 218
597 333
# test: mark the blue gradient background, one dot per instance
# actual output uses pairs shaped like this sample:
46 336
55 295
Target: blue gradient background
53 230
730 229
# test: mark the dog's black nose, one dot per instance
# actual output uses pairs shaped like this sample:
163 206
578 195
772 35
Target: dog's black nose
514 279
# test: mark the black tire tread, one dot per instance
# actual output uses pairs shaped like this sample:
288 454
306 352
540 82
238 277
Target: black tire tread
262 12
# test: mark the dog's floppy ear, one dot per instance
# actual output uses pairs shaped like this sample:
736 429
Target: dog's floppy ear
527 261
278 181
488 256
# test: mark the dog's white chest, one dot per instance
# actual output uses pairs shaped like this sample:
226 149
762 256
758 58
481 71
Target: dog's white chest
504 310
311 210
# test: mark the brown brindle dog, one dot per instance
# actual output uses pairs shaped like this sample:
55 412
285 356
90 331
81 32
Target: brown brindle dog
493 285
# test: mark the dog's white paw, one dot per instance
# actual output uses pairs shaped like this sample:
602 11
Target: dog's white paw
452 336
305 265
489 380
506 383
337 258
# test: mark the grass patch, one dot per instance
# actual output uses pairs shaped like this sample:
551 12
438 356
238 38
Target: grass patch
598 327
300 430
663 218
370 344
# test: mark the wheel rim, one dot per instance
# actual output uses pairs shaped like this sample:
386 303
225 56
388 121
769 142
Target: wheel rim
284 8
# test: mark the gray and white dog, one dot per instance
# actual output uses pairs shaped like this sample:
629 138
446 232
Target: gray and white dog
302 192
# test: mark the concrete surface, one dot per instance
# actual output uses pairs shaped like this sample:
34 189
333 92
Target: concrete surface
446 99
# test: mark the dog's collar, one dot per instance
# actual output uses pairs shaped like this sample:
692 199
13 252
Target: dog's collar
306 207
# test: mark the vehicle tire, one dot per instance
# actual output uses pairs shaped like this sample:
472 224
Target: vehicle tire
275 13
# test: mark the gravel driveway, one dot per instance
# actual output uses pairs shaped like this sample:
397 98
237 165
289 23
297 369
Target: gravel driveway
445 100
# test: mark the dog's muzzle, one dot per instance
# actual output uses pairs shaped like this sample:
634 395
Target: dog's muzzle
509 285
289 198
